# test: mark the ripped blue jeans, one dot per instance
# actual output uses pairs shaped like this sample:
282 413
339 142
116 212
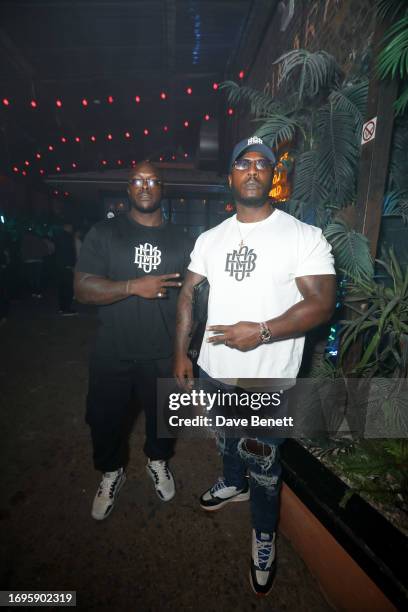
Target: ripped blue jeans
264 472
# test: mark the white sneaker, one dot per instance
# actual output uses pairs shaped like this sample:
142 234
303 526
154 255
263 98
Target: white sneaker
162 477
263 562
108 490
219 494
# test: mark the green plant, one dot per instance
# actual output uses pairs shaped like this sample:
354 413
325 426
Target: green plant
381 322
393 59
321 116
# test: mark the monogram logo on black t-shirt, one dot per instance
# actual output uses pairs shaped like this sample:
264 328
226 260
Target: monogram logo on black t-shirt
240 263
147 257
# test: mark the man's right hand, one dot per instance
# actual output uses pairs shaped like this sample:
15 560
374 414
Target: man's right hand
151 286
183 372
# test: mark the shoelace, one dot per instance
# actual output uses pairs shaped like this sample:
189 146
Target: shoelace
108 486
160 469
264 550
218 485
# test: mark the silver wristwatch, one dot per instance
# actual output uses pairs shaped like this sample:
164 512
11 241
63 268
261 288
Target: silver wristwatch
265 333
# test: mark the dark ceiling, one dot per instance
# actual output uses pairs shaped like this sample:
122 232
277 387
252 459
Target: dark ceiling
88 50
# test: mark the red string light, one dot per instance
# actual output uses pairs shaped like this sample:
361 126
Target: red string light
77 139
50 148
127 134
66 193
74 165
189 91
110 99
163 95
146 132
215 86
241 74
207 117
93 138
42 171
26 163
186 124
63 139
33 104
104 162
15 169
165 128
6 102
55 192
58 168
161 158
38 155
58 103
84 102
137 99
230 111
24 173
109 137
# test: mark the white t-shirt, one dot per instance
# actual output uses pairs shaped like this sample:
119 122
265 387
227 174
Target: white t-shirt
256 283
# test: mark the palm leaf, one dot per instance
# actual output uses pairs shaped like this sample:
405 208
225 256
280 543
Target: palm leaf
259 102
309 186
350 249
390 8
338 152
401 102
278 128
316 70
352 99
393 59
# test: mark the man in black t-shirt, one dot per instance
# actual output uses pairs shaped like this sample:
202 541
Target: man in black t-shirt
131 267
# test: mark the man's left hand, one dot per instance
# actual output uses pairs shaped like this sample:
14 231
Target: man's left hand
243 336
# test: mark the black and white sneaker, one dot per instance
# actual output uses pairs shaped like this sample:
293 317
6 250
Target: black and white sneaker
263 562
163 479
106 495
219 494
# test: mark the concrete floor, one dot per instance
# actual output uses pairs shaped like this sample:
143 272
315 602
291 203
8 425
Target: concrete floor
147 556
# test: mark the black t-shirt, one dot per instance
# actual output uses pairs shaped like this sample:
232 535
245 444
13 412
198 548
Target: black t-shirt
121 249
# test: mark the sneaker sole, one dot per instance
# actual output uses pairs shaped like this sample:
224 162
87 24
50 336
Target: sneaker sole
156 491
238 498
257 592
105 516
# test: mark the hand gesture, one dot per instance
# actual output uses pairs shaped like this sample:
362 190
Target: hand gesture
152 286
243 336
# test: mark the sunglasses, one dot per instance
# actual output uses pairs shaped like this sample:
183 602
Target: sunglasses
139 182
244 163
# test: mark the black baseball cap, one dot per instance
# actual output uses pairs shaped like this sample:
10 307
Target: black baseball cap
254 143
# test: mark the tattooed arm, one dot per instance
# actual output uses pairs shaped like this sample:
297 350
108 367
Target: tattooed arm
183 368
92 289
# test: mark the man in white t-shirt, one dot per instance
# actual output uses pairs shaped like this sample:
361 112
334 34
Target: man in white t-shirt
271 280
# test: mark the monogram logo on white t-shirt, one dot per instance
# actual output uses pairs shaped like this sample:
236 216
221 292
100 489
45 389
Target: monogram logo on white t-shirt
240 263
147 257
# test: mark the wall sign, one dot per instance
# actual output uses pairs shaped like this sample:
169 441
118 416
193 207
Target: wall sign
369 128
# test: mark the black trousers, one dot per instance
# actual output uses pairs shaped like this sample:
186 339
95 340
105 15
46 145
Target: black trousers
65 283
111 386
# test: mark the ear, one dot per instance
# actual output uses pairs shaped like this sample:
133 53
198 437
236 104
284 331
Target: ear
229 180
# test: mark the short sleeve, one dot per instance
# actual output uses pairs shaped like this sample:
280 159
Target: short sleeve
93 257
315 256
197 261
